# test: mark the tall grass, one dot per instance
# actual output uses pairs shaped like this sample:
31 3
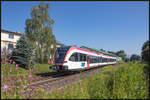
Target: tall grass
130 82
113 82
125 81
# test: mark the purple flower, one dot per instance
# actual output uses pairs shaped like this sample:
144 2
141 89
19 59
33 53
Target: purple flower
30 75
5 87
31 93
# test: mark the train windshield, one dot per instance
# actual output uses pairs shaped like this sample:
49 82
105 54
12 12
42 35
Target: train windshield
60 54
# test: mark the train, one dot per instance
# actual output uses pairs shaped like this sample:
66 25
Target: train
73 58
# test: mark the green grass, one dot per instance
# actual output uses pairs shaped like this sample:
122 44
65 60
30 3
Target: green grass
124 81
39 68
112 82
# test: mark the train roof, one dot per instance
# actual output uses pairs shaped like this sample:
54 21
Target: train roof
75 47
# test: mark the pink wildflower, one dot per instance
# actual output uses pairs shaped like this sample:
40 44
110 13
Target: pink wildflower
49 61
21 92
5 87
10 61
16 65
33 87
10 70
31 93
30 75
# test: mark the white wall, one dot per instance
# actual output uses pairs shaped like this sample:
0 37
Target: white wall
5 37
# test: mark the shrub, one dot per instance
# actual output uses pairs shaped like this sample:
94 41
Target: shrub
23 53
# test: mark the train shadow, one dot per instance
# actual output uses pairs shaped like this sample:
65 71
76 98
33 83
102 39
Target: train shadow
54 74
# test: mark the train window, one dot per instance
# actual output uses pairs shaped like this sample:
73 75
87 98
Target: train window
95 59
98 59
82 57
91 59
74 57
103 60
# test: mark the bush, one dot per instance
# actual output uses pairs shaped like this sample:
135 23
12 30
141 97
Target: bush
23 54
129 82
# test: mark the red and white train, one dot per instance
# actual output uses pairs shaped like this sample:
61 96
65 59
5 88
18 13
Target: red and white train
72 58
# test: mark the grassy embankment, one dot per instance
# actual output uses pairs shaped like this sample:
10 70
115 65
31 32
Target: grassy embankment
120 81
10 69
128 80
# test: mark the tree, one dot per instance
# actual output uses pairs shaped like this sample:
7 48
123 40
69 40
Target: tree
23 53
121 54
145 51
39 31
135 57
102 50
127 59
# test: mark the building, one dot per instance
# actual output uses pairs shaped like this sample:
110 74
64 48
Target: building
9 40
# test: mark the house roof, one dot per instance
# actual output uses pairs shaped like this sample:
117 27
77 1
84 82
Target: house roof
7 31
19 33
59 43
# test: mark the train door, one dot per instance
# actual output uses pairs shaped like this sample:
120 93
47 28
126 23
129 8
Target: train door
73 62
88 61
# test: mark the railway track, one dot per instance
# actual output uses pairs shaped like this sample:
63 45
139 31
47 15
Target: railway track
53 80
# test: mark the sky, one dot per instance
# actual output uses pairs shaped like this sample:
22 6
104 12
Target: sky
109 25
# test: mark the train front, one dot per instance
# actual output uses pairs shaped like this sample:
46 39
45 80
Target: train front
59 59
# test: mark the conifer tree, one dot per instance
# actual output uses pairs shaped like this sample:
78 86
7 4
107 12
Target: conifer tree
22 54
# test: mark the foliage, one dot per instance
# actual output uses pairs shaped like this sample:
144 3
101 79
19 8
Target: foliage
121 54
114 53
130 82
135 57
12 70
39 32
119 82
124 81
145 51
23 53
127 59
